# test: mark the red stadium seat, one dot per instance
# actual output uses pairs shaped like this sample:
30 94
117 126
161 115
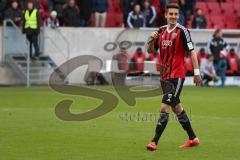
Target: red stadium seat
228 9
201 5
231 22
213 6
217 22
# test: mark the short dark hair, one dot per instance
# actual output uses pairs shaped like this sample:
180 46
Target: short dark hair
172 5
216 32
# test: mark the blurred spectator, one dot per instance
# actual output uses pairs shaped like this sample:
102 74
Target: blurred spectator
71 16
199 20
160 6
86 8
52 21
222 67
58 6
14 13
201 55
136 18
190 5
182 12
3 7
31 27
138 60
218 48
150 14
127 6
123 61
44 10
217 45
207 70
232 59
100 8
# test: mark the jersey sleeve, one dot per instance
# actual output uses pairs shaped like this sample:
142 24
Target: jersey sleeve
187 40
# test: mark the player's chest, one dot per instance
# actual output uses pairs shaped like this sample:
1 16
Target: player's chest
168 39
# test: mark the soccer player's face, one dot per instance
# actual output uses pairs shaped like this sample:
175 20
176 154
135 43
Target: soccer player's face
172 16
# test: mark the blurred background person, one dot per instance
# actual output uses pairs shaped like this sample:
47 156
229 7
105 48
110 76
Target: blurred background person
150 14
31 27
71 14
207 70
126 7
222 67
3 7
199 20
201 55
52 21
136 18
100 8
58 7
123 61
86 8
217 44
14 13
138 59
218 48
232 60
44 10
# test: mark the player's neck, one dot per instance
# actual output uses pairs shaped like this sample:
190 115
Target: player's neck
170 27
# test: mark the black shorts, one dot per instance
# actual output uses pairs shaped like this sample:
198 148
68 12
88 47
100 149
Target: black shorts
172 98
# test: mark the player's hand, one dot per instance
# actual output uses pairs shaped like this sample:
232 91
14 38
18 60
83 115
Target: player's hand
154 35
197 80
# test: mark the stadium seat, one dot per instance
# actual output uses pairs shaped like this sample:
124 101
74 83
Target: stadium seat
202 6
228 9
217 22
213 7
231 22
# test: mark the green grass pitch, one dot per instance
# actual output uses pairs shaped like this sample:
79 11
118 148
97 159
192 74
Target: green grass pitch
30 130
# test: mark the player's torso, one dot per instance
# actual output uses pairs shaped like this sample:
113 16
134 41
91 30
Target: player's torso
172 53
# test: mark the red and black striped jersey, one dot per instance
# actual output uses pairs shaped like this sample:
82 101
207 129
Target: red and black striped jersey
173 46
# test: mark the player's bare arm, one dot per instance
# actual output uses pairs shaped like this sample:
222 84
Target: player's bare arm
150 44
197 77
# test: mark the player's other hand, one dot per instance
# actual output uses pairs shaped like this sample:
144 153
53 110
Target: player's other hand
154 35
197 80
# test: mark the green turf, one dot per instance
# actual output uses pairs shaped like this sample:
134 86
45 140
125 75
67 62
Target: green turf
30 130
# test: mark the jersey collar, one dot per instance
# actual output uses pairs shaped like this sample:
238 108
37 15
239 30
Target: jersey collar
169 31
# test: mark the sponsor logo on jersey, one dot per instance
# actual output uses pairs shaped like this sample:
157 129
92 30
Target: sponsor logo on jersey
166 43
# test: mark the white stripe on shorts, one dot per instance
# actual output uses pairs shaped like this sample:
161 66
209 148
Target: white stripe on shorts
178 86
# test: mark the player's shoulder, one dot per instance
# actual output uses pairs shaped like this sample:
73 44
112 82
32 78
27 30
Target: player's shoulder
162 28
181 27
